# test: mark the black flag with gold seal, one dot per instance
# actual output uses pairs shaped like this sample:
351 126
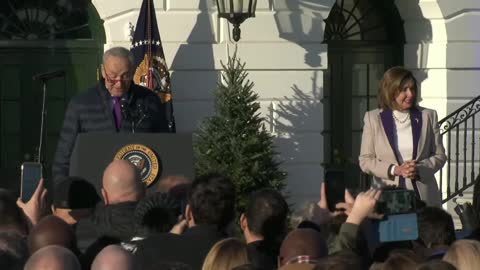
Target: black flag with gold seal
151 68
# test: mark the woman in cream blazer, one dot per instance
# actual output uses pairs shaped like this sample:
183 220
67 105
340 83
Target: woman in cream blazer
401 142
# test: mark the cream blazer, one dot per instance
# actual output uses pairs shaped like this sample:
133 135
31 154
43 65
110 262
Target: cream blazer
377 154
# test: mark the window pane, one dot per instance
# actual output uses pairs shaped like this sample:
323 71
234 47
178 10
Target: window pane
359 79
375 75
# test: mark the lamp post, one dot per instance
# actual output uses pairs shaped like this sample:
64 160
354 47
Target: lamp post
236 12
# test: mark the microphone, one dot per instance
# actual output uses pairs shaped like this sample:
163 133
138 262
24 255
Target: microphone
124 108
49 75
140 109
140 112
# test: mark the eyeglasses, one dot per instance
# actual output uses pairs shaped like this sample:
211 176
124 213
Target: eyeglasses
124 78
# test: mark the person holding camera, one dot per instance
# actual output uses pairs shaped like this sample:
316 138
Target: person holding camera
401 141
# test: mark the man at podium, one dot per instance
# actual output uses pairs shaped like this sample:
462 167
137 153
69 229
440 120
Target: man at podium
114 104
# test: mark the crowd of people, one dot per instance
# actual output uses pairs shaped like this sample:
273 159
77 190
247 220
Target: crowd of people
192 225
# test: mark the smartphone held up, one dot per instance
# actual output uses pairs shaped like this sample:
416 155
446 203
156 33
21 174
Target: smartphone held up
31 173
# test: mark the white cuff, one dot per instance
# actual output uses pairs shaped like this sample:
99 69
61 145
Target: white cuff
392 170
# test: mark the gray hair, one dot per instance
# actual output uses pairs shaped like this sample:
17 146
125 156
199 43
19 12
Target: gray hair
119 52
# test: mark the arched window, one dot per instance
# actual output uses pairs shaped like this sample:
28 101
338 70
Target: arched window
44 20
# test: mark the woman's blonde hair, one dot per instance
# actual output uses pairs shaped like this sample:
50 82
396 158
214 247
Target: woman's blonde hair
464 254
226 254
391 85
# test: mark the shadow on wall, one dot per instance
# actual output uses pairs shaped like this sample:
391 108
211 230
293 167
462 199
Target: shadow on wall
418 32
299 112
301 22
297 123
193 72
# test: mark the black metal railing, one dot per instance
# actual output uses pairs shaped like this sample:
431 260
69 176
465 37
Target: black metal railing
463 161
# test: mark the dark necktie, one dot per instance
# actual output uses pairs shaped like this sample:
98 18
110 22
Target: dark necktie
117 112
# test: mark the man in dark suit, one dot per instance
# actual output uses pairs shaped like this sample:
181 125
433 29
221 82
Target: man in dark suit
115 104
210 209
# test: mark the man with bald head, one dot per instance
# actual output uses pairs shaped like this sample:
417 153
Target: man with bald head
122 183
53 258
112 221
113 257
52 230
122 188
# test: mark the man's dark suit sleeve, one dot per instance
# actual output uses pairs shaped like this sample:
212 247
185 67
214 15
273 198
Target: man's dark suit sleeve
68 135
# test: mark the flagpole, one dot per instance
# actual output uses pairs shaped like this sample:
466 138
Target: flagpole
149 45
150 67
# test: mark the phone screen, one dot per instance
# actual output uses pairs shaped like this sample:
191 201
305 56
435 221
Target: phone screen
396 201
401 227
334 188
31 174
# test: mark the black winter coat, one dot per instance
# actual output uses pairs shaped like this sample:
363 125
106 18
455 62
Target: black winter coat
93 111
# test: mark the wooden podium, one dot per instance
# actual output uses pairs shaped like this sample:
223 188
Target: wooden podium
93 151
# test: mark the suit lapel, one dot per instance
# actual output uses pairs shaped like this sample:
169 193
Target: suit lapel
389 128
417 124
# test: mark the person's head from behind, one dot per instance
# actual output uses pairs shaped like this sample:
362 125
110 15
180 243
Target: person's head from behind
160 265
12 219
52 230
464 254
226 254
435 265
343 260
302 242
74 199
13 250
117 70
113 257
398 89
247 266
265 215
401 260
170 181
435 228
122 183
211 201
156 213
177 186
53 258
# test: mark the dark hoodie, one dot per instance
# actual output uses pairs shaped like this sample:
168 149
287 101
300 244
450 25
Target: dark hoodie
115 220
109 225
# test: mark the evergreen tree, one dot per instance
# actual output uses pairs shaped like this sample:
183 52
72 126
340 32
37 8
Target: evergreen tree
234 140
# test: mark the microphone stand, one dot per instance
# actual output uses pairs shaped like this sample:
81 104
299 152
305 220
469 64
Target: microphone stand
138 117
44 78
42 120
140 113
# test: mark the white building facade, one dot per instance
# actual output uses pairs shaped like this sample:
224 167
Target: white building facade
288 60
